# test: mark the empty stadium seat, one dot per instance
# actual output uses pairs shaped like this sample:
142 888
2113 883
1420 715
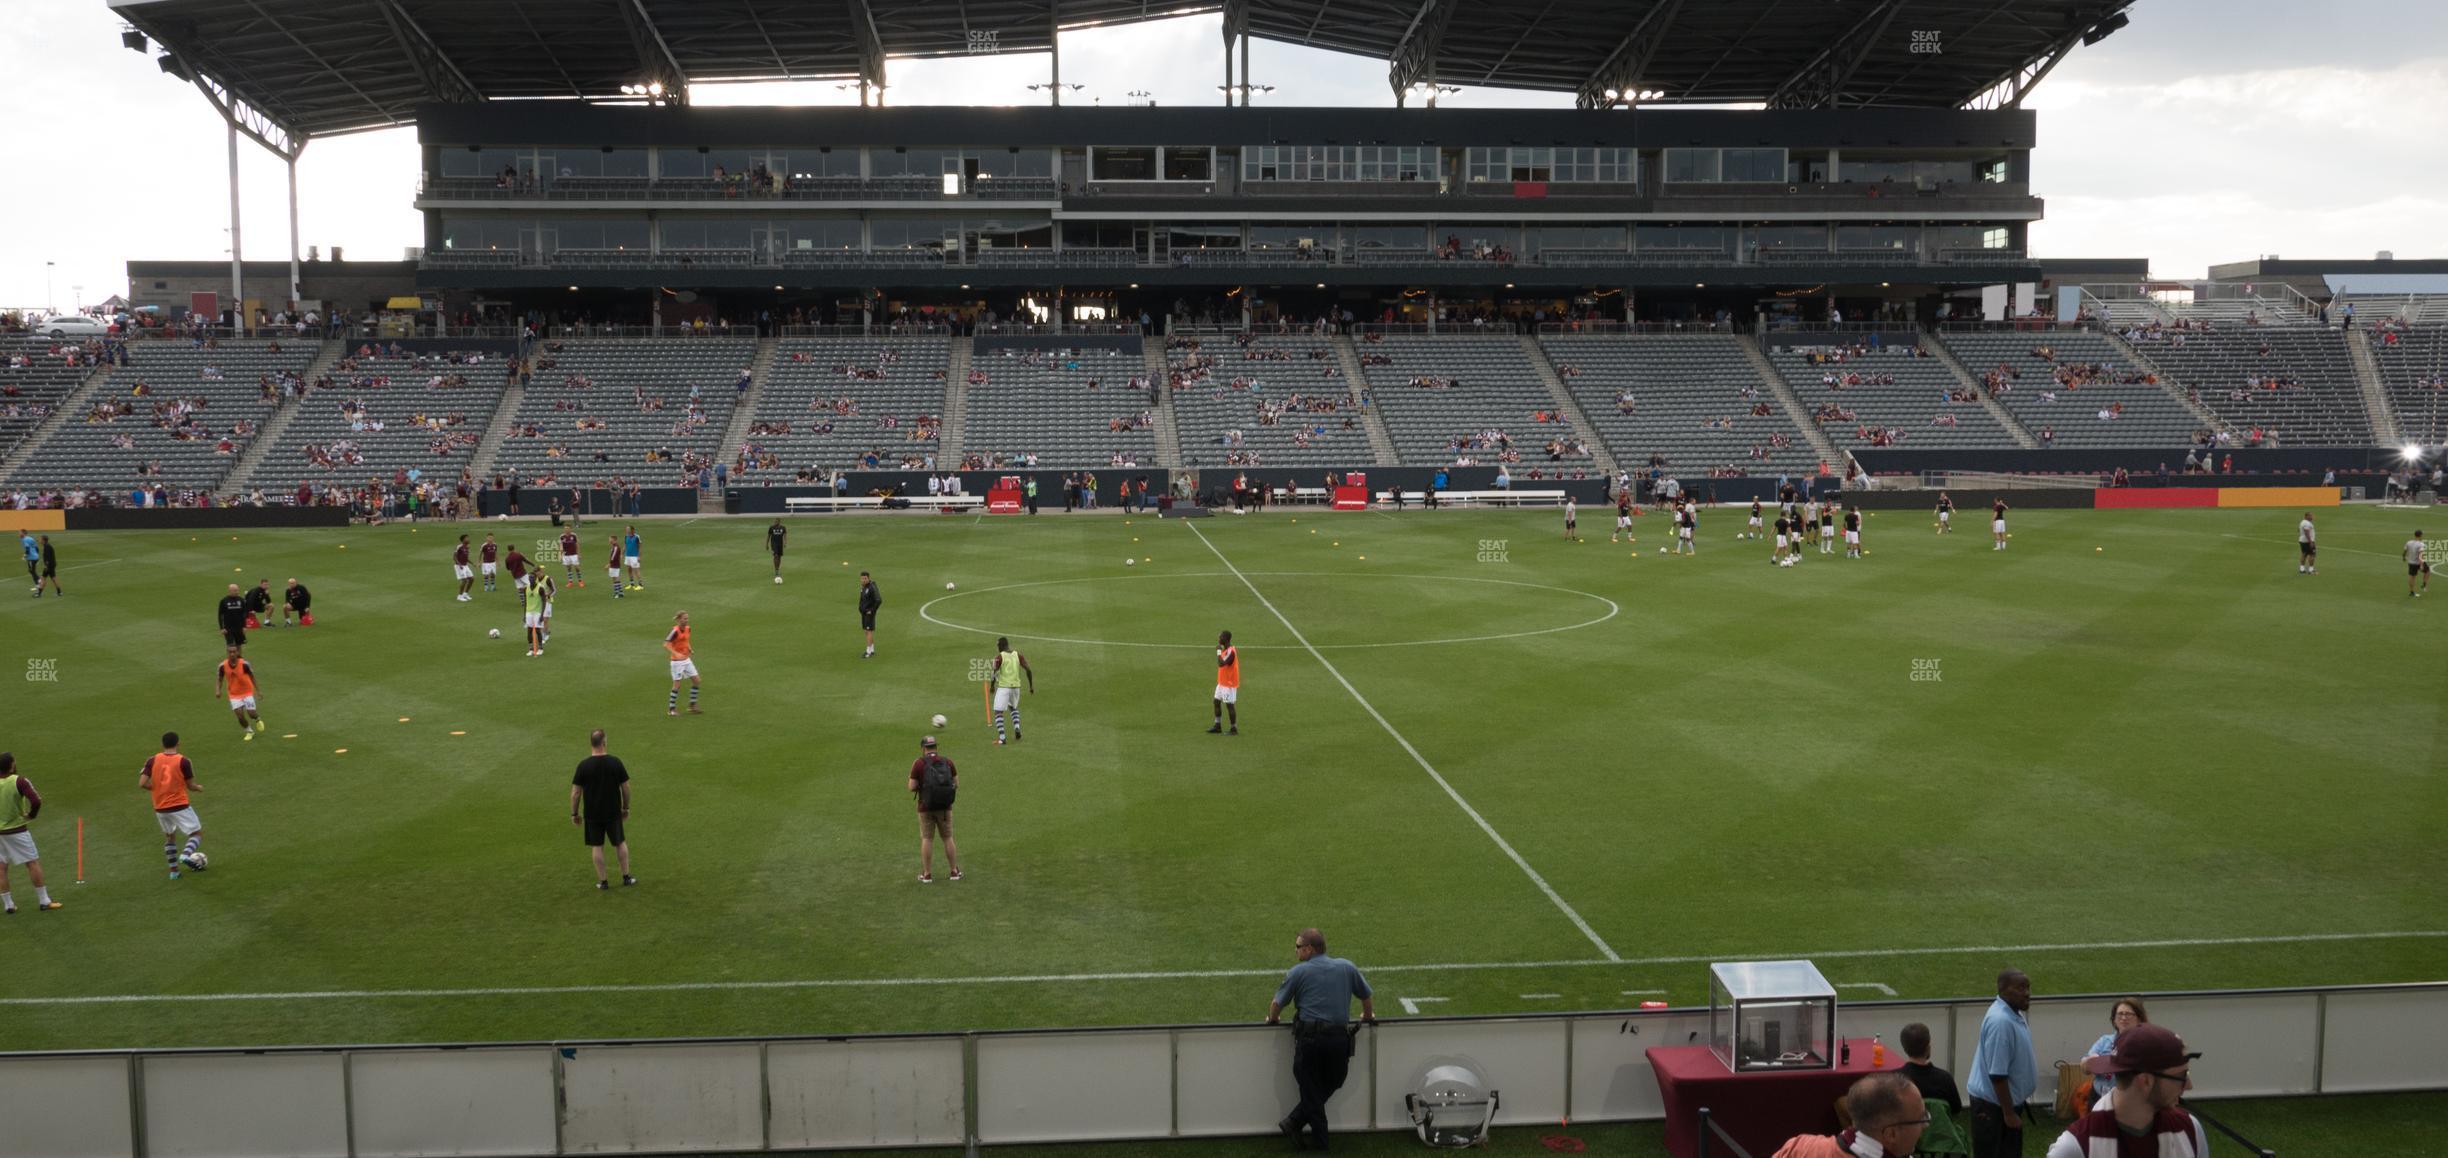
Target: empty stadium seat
1495 387
1679 383
618 383
224 384
810 374
1273 369
2151 415
1058 404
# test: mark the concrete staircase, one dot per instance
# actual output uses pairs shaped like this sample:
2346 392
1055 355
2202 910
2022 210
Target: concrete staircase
78 401
1168 429
1381 440
2167 382
2375 396
277 422
481 463
1570 408
955 428
1963 374
1774 383
743 412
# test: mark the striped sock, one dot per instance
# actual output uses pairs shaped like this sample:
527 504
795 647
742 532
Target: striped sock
999 726
192 842
1015 719
692 695
170 852
673 702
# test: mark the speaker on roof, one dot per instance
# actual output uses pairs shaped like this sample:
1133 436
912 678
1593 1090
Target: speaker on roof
174 66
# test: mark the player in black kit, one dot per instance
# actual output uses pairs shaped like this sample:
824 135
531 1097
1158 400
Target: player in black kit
773 543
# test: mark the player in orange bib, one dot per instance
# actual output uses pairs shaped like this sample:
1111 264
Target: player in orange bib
1228 686
682 666
169 778
235 678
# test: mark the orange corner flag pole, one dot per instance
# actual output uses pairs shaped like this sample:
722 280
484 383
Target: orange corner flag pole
986 692
80 878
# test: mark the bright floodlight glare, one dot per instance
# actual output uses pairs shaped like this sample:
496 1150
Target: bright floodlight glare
2411 453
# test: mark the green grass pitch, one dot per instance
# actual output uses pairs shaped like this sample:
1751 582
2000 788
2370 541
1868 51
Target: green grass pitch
2129 729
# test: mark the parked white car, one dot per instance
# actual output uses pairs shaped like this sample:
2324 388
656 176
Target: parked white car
73 326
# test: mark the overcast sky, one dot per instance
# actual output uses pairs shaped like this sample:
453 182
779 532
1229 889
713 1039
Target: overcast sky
2206 131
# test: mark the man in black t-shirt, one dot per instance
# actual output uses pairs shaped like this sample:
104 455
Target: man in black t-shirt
870 602
232 617
259 603
773 542
599 805
1936 1085
295 600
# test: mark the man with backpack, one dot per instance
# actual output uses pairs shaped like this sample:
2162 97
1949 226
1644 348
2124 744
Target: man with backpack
934 781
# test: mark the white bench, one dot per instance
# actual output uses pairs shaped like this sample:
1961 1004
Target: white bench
797 504
1488 498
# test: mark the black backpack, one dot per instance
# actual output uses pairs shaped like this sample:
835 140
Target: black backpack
936 784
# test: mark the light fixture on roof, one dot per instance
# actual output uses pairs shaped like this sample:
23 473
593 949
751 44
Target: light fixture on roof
133 40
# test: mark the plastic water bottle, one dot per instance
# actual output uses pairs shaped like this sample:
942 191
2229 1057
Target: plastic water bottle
1878 1053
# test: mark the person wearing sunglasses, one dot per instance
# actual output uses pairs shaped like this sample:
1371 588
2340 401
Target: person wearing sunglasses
1888 1118
2145 1115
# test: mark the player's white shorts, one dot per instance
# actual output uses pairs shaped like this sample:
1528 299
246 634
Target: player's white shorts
242 703
520 583
1007 699
1997 526
183 820
547 612
570 561
629 561
534 619
1780 542
462 572
1755 522
488 570
684 669
18 848
1945 517
1225 695
1852 538
611 572
1623 522
1685 532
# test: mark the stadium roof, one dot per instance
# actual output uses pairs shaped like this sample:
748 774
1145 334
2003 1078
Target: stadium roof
299 68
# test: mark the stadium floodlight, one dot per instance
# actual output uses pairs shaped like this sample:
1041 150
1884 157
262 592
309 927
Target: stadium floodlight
2413 452
1140 94
133 40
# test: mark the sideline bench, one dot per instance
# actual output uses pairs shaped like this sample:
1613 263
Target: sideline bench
798 504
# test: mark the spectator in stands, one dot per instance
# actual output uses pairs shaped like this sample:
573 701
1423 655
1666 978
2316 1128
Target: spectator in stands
2127 1013
1936 1085
2153 1070
1888 1114
2004 1073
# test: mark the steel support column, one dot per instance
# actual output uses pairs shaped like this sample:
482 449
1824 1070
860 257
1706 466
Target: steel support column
237 270
293 233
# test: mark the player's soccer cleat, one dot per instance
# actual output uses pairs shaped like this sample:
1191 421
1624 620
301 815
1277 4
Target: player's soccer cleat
998 741
245 735
1235 730
926 878
627 880
673 713
694 710
777 579
605 886
956 874
1015 735
1218 730
259 724
174 874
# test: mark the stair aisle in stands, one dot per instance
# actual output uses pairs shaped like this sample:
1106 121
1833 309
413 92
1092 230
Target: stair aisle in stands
278 422
743 412
1963 374
955 428
2375 397
1168 424
1800 414
1571 409
1381 440
504 412
76 402
2167 382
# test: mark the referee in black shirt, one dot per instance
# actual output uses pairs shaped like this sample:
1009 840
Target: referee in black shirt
233 615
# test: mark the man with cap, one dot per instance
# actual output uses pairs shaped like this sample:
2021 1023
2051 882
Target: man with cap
1320 990
2143 1116
933 780
1888 1114
2003 1073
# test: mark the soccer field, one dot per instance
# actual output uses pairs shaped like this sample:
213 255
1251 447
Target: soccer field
1504 772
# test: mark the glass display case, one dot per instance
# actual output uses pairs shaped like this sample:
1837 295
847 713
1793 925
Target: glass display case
1771 1015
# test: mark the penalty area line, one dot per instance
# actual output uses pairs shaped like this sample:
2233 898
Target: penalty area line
1194 974
1518 861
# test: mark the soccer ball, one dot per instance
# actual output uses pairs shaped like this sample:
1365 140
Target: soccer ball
947 587
938 721
493 634
1130 562
195 860
501 518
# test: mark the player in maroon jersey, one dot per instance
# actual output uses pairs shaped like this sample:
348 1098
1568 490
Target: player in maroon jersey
460 568
569 558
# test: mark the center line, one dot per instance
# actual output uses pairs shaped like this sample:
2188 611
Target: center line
1425 766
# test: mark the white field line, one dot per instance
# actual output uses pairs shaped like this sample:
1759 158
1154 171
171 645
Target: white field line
1202 974
1603 948
1411 1004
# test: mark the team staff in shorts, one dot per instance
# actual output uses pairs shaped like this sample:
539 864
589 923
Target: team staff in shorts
297 605
50 571
1009 668
231 615
774 536
1228 685
1572 519
935 783
599 807
2305 546
683 666
169 777
19 805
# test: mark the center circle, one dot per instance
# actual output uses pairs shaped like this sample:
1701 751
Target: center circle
1335 616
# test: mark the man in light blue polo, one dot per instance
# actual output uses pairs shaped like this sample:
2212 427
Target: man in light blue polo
1320 990
2003 1074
